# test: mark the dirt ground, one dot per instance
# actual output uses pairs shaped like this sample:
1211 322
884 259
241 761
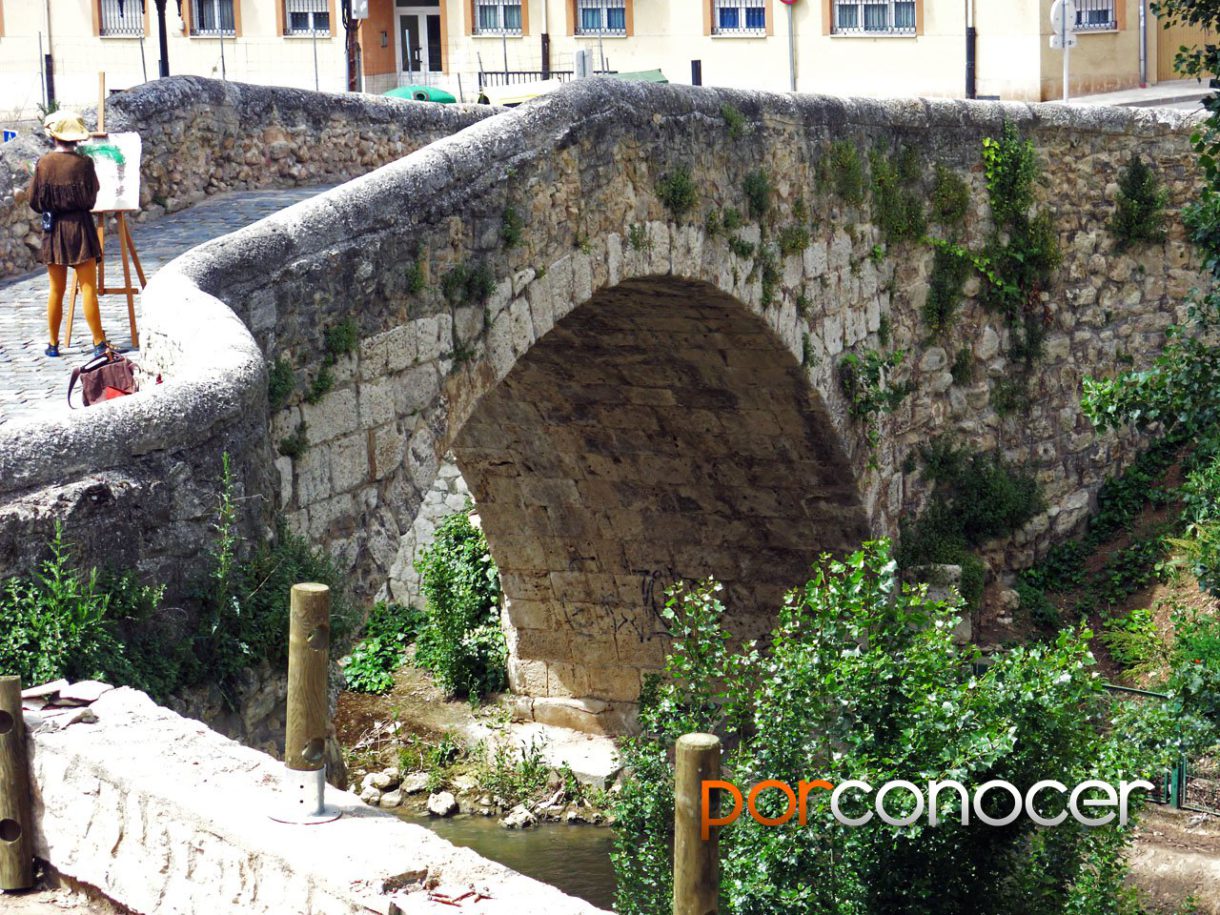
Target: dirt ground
56 896
1177 855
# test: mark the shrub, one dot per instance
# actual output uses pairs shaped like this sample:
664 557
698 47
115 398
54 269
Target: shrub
793 239
512 228
950 197
897 207
758 192
864 379
280 384
734 120
951 266
462 643
62 622
465 285
1139 209
846 172
388 631
862 679
677 191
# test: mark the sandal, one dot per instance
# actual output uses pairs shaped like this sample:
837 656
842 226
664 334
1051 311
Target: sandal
99 349
52 350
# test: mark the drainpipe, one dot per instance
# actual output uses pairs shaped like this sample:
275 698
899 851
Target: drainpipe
971 51
1143 44
49 60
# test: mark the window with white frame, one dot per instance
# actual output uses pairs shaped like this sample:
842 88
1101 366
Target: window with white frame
306 17
1095 15
739 17
601 17
874 17
214 17
495 18
120 17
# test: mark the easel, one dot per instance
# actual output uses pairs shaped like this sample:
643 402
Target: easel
127 247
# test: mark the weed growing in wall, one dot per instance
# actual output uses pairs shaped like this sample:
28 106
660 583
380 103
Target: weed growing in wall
637 237
734 120
414 275
758 190
846 172
864 378
281 382
677 192
296 444
793 239
950 197
951 266
1139 210
512 228
466 285
897 200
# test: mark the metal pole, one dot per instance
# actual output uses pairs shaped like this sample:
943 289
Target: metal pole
972 39
696 862
1143 44
1063 28
314 38
16 824
504 49
42 73
791 52
163 39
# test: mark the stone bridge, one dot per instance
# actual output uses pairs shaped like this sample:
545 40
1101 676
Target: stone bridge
635 388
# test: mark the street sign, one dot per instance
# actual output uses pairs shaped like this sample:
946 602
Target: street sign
1057 40
1059 9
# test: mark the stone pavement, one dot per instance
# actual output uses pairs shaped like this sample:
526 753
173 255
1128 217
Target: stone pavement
32 384
1171 93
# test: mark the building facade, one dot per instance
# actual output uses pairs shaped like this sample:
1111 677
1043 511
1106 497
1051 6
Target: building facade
850 47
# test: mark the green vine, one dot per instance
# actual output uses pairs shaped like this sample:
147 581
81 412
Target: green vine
864 379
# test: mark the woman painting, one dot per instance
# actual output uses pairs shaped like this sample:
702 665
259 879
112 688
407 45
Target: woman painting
64 190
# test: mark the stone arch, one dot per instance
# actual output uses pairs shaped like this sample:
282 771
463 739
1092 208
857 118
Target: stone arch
661 431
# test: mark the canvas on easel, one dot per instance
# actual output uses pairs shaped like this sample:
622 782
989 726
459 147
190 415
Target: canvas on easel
116 158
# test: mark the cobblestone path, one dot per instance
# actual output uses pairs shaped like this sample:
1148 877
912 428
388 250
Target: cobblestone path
32 384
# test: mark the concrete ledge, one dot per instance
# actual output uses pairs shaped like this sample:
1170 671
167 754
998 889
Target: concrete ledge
164 815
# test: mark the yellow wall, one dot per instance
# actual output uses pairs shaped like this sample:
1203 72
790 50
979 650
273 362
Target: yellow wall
259 55
1101 61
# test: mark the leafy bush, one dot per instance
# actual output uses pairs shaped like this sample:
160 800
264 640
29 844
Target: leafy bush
863 680
975 497
63 622
846 172
280 383
863 379
793 239
950 197
1196 665
462 643
951 266
677 191
1010 166
388 631
758 192
1139 209
897 202
734 120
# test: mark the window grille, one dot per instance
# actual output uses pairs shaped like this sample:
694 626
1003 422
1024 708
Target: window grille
306 17
498 18
874 17
1095 15
215 18
126 18
739 17
601 17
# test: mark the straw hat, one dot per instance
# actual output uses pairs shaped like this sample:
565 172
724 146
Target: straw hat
66 126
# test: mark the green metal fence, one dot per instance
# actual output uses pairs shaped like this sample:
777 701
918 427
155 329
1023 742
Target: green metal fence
1193 784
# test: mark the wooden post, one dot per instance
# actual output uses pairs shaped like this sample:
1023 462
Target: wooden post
696 862
308 652
16 825
101 104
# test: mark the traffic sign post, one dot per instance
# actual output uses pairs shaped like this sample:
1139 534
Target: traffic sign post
791 46
1063 34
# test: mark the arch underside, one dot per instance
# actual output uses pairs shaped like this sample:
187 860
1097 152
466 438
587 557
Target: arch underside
660 432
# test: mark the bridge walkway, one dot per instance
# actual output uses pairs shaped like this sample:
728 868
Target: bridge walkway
32 384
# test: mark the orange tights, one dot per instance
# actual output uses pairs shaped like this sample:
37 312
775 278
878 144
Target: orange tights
86 279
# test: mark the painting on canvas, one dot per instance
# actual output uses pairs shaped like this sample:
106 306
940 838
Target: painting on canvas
117 160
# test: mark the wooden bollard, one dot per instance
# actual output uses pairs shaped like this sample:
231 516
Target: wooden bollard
696 862
16 825
308 653
305 740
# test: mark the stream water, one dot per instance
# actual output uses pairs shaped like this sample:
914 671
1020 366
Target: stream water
576 859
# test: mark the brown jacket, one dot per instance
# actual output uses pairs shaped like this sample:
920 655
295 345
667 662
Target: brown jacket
65 185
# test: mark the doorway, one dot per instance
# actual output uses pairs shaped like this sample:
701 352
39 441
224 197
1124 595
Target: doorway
419 41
